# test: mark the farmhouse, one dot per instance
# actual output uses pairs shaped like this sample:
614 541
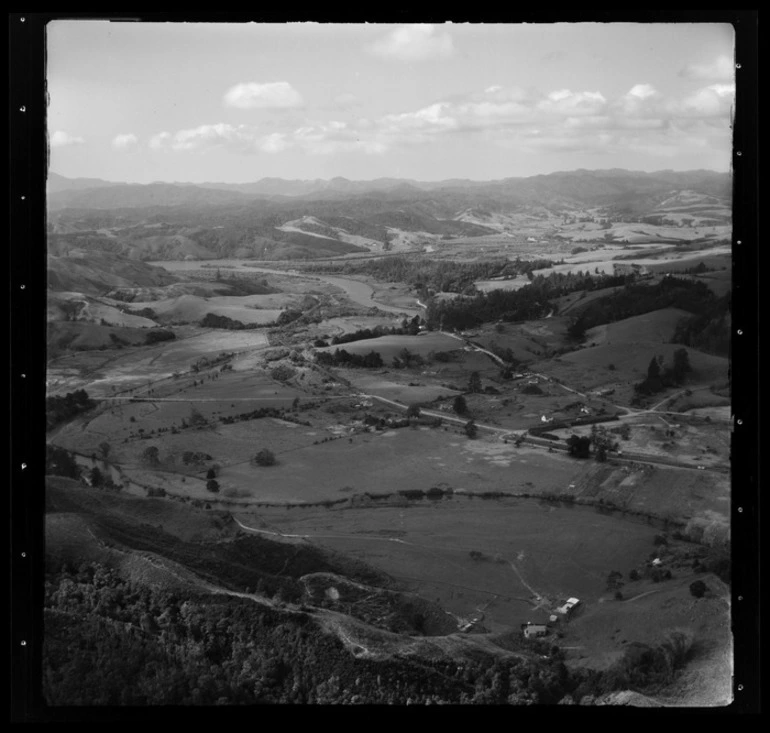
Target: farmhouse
532 631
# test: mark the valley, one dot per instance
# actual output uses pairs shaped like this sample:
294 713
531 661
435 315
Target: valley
405 422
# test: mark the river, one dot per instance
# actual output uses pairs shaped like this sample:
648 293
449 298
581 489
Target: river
358 291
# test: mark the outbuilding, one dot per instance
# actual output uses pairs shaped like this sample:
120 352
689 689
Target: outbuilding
533 631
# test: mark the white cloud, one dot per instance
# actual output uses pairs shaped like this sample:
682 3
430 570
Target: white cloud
274 143
124 141
566 102
273 95
158 142
720 69
414 43
562 119
642 100
712 101
60 139
205 137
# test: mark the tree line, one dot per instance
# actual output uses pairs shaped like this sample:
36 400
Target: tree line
527 303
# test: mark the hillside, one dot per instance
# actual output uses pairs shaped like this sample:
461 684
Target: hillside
98 272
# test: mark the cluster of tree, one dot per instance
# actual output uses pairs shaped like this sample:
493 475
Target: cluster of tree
660 376
209 361
60 462
506 354
529 302
638 298
289 315
410 327
265 457
707 330
341 357
157 335
257 414
600 439
62 409
282 373
213 320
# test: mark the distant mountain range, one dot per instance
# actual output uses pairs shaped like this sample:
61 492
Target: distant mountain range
281 219
579 186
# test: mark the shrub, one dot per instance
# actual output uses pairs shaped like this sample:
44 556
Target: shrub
265 457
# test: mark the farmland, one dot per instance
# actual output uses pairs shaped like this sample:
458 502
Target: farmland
316 438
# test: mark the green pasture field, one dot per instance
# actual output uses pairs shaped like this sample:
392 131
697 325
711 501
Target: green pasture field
718 260
233 393
99 372
192 308
679 494
390 346
383 462
528 340
589 368
657 325
395 385
557 552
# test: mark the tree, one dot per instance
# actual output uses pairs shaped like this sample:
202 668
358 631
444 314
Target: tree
60 462
698 588
653 370
151 455
97 478
196 418
579 447
413 410
211 473
212 485
614 580
577 329
265 457
105 449
406 357
474 382
460 406
602 442
681 365
470 429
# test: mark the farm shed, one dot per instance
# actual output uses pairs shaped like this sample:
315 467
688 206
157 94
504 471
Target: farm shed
532 631
568 606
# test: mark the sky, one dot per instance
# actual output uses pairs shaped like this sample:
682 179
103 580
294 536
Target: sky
196 102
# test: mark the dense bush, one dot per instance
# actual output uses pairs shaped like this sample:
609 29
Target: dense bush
62 409
340 357
59 462
265 457
157 335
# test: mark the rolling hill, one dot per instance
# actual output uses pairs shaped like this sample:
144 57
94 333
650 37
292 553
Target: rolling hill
278 220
